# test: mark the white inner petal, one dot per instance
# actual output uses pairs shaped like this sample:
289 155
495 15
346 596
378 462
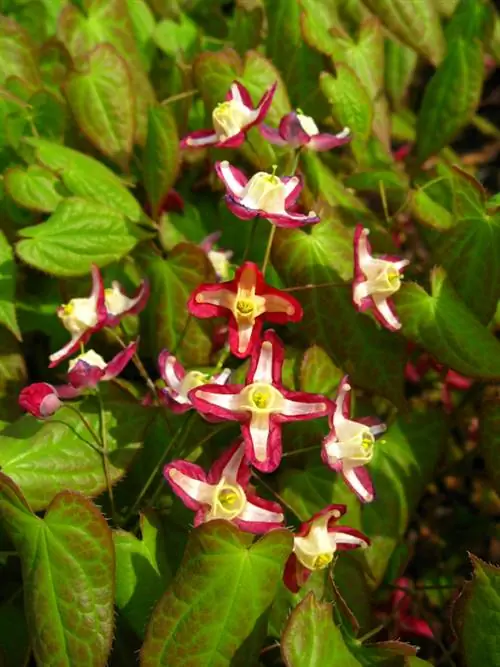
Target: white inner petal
308 125
382 277
264 370
259 432
90 357
264 192
194 488
116 302
255 514
353 443
230 402
315 544
230 117
354 481
385 310
78 315
231 468
171 378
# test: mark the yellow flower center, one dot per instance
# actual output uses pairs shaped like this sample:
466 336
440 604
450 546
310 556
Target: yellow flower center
229 501
245 307
322 560
367 441
393 277
227 498
68 308
261 398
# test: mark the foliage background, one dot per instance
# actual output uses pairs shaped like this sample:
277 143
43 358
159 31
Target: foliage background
94 97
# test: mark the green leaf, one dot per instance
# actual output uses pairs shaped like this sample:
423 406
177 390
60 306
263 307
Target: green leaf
319 23
447 329
372 356
86 177
299 65
414 23
489 438
44 458
16 54
173 37
470 254
35 188
404 463
451 97
102 101
428 211
472 20
400 66
15 646
165 316
351 105
247 26
143 26
259 74
318 373
475 615
217 604
78 234
161 156
67 562
13 376
142 571
8 287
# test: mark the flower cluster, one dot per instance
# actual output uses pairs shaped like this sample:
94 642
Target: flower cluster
262 403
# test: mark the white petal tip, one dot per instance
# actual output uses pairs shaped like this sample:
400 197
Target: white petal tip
345 133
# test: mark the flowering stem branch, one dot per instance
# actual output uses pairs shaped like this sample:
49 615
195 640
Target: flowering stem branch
311 286
268 249
105 459
276 495
302 451
97 446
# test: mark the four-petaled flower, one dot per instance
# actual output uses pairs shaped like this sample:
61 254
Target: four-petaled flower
247 300
42 399
349 445
231 119
261 405
315 544
265 195
103 308
178 383
296 130
224 493
375 280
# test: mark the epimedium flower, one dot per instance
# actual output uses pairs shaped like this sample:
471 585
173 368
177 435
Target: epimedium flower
265 195
376 279
247 300
178 382
42 399
316 542
104 307
349 445
261 405
219 259
224 492
296 130
231 119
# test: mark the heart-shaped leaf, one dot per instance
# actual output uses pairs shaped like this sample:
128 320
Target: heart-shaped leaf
8 287
218 601
35 188
44 458
16 53
68 562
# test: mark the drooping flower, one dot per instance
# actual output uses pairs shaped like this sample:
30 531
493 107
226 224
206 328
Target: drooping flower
231 119
265 195
296 129
219 259
349 445
247 300
405 626
316 542
224 493
42 399
376 279
261 405
104 307
178 383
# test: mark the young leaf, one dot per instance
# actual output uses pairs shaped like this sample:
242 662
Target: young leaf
217 604
414 23
102 101
16 54
142 571
78 234
372 356
143 26
451 97
318 373
400 65
35 188
161 156
166 318
446 328
47 457
68 562
475 615
8 287
247 26
86 177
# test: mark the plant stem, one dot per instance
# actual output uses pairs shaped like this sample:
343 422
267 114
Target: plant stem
302 451
268 249
105 459
183 334
311 286
276 494
222 359
97 446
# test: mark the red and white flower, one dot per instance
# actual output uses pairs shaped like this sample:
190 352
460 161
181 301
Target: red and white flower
247 300
178 383
231 119
104 307
224 493
349 445
316 542
219 259
261 405
265 195
375 280
296 129
42 399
